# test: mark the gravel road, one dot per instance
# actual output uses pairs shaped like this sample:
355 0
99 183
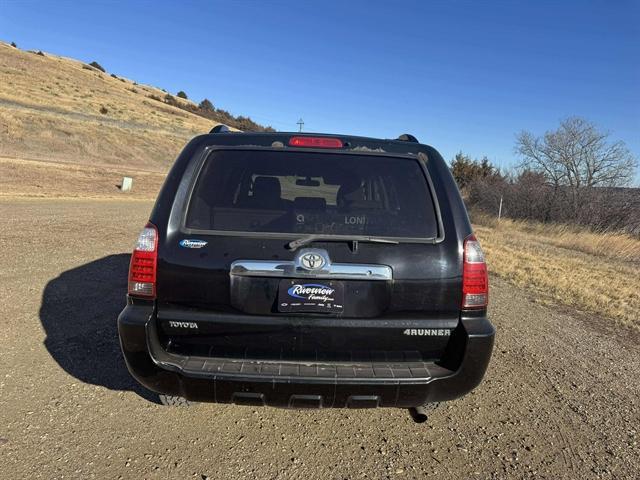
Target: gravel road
560 400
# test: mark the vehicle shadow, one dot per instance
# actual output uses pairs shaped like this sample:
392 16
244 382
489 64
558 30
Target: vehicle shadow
78 314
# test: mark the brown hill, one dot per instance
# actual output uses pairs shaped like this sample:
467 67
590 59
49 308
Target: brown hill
59 109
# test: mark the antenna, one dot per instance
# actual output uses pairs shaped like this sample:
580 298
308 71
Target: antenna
301 124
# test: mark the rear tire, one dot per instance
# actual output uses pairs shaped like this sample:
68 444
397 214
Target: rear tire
173 401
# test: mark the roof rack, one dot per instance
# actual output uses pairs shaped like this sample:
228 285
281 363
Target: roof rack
221 128
407 137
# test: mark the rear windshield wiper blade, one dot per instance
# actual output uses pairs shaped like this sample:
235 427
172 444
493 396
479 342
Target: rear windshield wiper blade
301 242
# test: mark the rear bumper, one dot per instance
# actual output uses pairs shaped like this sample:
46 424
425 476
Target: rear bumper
290 384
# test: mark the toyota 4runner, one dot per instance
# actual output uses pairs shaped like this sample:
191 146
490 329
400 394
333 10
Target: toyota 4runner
300 270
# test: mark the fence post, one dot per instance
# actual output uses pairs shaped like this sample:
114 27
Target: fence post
500 208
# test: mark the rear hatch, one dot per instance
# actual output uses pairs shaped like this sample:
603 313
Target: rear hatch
309 256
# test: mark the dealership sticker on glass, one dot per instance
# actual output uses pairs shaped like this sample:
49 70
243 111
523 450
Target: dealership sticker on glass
310 296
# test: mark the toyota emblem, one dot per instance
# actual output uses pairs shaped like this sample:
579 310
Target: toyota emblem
312 261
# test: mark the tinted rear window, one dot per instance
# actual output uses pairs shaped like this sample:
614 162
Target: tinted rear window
311 193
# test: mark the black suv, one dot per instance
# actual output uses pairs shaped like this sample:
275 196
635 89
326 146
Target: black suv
299 270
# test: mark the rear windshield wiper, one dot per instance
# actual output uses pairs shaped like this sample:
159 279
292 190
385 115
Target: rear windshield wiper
301 242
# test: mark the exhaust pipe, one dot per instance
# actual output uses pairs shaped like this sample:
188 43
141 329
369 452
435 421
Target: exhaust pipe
419 414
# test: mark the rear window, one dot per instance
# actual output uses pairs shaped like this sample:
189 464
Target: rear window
312 193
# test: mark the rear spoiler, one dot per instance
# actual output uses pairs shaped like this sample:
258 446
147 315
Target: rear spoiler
222 128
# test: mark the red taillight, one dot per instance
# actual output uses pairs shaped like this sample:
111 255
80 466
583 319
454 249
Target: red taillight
142 269
315 142
475 280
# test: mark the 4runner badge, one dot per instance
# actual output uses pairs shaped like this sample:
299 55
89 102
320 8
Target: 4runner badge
428 332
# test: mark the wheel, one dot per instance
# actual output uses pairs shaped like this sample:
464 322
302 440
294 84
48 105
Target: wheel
173 401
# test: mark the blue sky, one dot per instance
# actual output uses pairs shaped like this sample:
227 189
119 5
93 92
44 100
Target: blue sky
459 75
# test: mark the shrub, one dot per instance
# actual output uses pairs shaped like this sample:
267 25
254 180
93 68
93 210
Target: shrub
103 110
528 195
466 171
13 44
95 64
206 105
206 109
40 53
181 94
113 75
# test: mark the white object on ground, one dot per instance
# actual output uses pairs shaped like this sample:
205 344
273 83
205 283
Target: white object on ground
127 184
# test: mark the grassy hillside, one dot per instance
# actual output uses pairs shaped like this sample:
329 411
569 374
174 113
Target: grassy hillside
58 109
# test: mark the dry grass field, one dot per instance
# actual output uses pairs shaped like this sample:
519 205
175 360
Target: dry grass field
596 273
36 178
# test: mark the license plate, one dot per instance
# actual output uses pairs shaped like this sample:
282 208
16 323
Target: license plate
310 296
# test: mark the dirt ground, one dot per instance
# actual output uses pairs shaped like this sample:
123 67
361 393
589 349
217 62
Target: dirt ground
560 400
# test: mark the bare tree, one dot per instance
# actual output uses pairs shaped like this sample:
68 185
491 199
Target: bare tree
575 157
